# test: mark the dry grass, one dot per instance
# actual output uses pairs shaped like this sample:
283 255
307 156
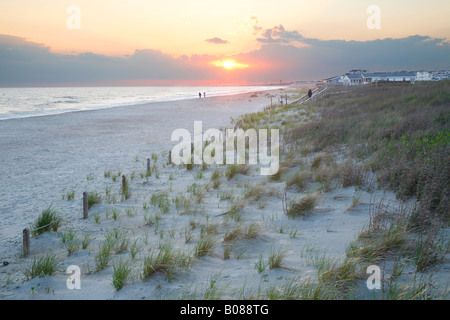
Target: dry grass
260 191
205 246
401 135
300 207
352 175
402 131
234 234
320 159
239 232
234 169
299 179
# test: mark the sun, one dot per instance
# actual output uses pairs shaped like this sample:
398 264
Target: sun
229 64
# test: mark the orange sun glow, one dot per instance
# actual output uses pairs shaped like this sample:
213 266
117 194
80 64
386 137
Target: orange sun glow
229 64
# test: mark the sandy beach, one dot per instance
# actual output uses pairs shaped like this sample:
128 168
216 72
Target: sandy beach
42 157
45 158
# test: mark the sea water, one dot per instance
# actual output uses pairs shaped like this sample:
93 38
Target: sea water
30 102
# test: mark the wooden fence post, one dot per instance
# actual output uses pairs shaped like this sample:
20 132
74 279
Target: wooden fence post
170 157
124 184
26 242
148 167
85 205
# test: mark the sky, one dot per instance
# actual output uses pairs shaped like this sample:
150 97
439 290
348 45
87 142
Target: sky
171 42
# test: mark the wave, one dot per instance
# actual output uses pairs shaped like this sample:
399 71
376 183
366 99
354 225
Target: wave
31 102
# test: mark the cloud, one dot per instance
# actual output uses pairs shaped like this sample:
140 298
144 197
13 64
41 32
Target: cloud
278 34
217 41
27 63
24 62
255 25
323 58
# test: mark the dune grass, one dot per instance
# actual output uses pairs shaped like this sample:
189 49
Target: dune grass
121 271
301 207
43 265
94 198
205 246
234 169
400 134
276 257
48 220
166 261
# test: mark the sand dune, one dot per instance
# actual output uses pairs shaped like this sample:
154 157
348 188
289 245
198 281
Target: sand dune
44 158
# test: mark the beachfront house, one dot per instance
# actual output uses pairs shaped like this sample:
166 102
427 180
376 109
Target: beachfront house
424 76
403 76
362 77
440 75
351 79
333 80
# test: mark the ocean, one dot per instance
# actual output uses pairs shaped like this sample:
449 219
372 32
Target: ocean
31 102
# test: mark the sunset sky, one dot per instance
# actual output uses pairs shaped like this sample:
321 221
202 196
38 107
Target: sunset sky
212 42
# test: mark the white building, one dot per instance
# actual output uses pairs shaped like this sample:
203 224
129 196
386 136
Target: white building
361 77
424 76
389 77
440 75
351 79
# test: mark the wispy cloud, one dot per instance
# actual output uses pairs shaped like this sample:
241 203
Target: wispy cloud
255 25
217 40
278 34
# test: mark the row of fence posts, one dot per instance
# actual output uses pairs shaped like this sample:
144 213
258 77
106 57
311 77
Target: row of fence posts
26 232
286 99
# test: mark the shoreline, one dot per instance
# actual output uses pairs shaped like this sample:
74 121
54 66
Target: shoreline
134 104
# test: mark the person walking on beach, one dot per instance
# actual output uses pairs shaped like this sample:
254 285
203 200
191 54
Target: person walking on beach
200 95
309 93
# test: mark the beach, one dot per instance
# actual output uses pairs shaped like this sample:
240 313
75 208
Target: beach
173 210
42 157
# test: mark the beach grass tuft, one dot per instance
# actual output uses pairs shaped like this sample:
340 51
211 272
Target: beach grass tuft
93 199
121 271
301 207
44 265
234 169
48 220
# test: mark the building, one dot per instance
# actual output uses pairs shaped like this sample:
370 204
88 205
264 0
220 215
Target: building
333 80
351 79
362 77
424 76
389 77
440 75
